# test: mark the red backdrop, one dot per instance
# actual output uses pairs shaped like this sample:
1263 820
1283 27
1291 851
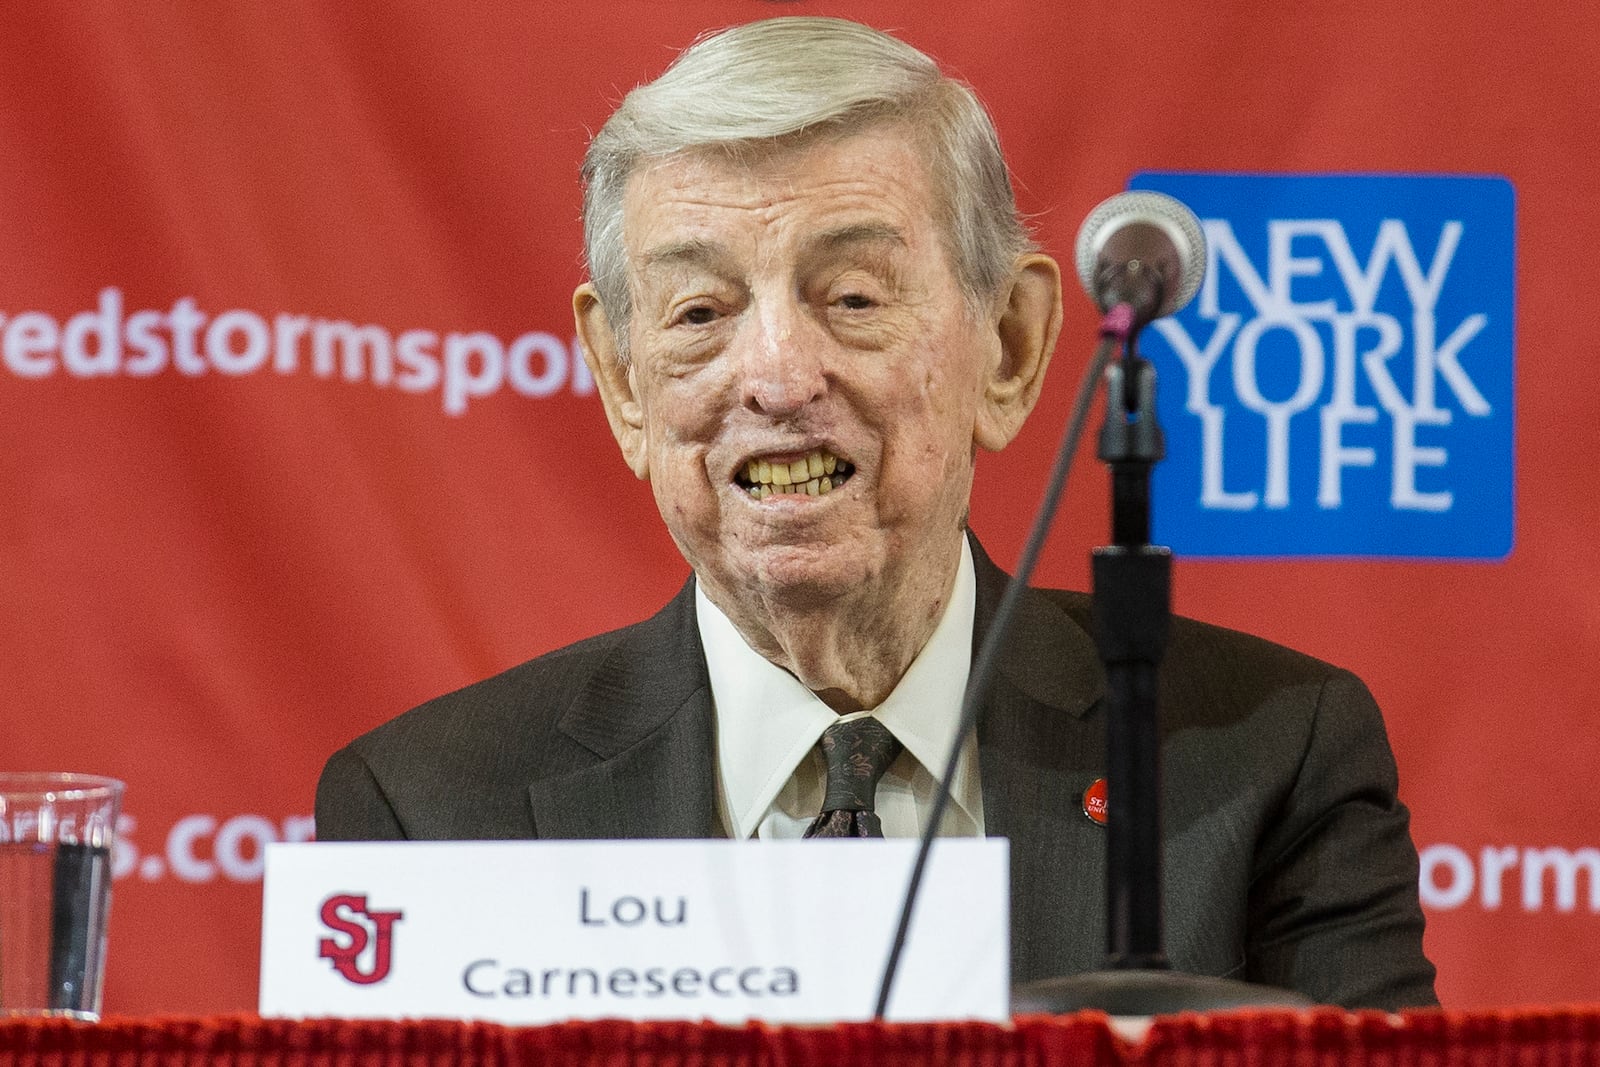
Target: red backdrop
370 473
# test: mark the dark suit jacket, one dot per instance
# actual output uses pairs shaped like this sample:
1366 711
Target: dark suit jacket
1288 857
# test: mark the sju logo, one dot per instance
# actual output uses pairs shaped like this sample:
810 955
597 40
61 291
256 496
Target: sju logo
368 936
1342 385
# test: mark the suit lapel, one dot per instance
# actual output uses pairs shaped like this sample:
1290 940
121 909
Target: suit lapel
1041 744
646 717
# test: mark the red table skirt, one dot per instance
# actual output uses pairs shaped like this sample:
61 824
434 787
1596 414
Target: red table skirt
1545 1037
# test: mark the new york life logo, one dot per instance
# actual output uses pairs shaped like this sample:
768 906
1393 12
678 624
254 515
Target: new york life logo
1342 384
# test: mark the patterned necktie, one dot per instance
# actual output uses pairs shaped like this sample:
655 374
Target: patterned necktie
857 752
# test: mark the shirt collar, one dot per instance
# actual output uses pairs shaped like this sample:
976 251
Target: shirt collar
767 722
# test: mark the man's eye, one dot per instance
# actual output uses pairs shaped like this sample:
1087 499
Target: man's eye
856 302
698 315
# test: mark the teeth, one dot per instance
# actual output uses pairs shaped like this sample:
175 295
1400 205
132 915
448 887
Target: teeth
815 474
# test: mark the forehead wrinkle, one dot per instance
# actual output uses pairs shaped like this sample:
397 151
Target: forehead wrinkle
781 205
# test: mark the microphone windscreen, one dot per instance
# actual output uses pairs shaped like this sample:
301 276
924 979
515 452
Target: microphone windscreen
1144 209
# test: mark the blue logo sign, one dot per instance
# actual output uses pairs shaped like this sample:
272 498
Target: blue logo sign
1342 384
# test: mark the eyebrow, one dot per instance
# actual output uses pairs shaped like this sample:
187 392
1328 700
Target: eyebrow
697 252
694 252
860 233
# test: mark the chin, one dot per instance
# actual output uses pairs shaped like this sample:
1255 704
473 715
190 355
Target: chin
808 577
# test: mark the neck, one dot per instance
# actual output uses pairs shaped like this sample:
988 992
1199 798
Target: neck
851 650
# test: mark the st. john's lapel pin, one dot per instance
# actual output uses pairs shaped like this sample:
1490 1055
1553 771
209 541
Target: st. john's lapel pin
1094 801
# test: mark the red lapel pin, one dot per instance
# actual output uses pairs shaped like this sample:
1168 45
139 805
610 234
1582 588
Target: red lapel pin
1094 801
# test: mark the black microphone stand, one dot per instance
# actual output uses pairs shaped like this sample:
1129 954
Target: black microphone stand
1132 616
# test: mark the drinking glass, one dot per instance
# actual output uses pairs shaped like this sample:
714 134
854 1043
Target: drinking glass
56 835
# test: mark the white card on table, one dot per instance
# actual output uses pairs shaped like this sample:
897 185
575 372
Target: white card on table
532 932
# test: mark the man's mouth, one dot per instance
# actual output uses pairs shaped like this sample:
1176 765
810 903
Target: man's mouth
815 474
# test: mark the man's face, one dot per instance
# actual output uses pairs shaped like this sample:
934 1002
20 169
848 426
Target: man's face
806 370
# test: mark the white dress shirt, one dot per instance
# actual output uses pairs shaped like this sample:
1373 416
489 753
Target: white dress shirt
770 775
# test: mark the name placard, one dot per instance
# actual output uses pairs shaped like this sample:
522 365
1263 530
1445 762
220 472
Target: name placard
535 932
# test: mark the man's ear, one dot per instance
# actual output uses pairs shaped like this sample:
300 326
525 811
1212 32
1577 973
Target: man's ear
1026 329
613 380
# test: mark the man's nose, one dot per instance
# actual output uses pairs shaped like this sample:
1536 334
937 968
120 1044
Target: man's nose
784 364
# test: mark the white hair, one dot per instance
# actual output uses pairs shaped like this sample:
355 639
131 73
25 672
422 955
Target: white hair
779 83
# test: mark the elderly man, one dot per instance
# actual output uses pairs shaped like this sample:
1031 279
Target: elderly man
812 302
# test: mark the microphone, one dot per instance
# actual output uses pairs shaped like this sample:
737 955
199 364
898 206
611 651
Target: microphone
1142 249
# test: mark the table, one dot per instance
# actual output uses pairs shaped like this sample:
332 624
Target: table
1324 1037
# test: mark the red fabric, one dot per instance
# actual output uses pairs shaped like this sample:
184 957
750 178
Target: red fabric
1323 1038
